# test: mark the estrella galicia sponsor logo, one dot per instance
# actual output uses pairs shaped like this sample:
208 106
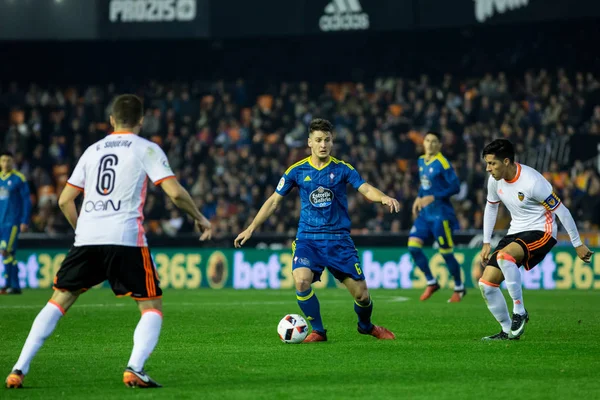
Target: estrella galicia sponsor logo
101 205
151 10
344 15
321 197
425 183
485 9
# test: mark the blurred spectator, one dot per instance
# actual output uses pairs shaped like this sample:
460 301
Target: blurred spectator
229 151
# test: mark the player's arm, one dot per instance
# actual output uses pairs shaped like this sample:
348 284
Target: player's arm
26 205
490 214
377 196
74 186
182 200
453 184
156 165
267 209
285 185
66 202
542 192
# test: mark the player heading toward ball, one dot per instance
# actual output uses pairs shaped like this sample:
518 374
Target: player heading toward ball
533 208
110 243
323 237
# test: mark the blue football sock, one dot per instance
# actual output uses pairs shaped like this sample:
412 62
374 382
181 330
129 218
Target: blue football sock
309 304
421 260
453 267
364 312
15 275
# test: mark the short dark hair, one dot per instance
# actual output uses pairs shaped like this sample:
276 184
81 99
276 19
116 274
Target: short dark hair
127 110
501 149
436 134
320 124
6 153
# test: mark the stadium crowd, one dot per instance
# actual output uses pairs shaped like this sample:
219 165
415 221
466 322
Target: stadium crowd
229 142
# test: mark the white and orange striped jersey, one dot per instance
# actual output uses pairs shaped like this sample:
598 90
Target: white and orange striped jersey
529 199
113 174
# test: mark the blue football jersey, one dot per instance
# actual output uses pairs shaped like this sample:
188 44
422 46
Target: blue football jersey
15 204
439 180
324 213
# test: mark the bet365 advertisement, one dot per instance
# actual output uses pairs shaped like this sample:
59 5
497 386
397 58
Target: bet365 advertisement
386 268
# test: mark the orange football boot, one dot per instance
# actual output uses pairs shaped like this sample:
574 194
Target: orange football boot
429 290
457 296
379 332
316 336
15 379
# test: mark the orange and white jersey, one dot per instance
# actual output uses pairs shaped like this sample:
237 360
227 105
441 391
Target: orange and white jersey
113 174
529 199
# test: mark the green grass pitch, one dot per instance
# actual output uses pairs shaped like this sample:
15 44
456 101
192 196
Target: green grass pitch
223 345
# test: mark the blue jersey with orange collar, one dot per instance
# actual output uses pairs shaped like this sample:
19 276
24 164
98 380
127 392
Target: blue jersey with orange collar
439 180
15 204
324 205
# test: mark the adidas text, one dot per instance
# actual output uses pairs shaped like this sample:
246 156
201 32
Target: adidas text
344 15
484 9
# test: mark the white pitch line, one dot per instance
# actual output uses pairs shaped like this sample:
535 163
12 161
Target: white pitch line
198 304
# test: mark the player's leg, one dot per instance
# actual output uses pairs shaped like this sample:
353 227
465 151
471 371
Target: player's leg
306 269
419 233
8 243
363 306
131 271
442 230
344 265
77 273
489 284
145 339
43 326
508 260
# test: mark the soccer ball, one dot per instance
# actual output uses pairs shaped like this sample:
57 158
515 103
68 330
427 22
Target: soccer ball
292 328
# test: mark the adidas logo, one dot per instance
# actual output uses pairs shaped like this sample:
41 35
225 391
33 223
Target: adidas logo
484 9
307 178
344 15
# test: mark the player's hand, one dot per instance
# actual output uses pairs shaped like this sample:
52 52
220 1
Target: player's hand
425 201
203 225
584 253
242 238
485 253
24 228
416 208
391 203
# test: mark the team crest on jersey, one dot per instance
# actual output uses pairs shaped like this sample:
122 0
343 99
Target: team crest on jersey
425 183
281 183
521 196
322 197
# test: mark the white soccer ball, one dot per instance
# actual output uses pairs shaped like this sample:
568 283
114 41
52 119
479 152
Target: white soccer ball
292 328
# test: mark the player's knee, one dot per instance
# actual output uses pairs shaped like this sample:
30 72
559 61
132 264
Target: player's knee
487 288
362 297
302 284
152 304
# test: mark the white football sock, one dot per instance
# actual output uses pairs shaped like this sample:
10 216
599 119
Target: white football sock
512 276
496 304
145 338
42 327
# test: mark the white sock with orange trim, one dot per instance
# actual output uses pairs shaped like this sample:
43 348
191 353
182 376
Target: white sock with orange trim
42 327
512 276
496 304
145 338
